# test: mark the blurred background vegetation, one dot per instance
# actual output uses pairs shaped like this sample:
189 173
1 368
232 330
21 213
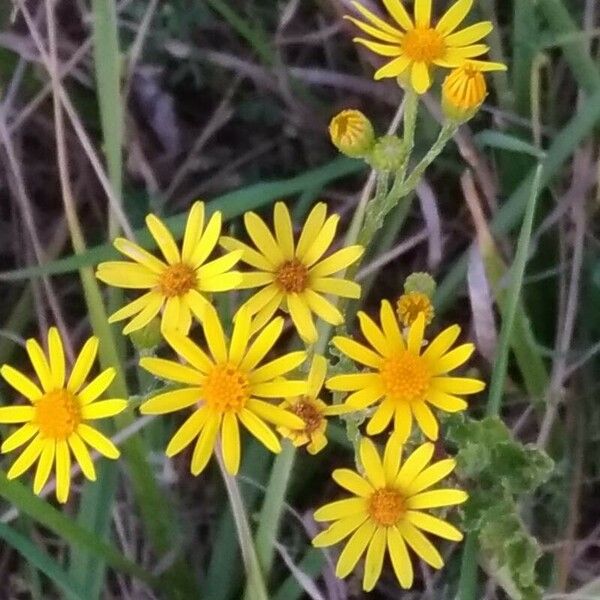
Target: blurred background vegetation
164 102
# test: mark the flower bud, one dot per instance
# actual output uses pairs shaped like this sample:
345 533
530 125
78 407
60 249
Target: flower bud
420 282
388 154
148 337
352 133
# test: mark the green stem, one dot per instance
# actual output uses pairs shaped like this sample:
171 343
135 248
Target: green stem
467 584
256 589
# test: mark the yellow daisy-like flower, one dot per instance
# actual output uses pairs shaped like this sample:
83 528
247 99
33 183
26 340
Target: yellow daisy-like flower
225 387
402 379
465 89
179 285
312 410
295 276
411 305
415 45
55 420
387 511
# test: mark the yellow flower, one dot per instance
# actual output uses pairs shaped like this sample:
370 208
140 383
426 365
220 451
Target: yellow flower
178 285
55 419
410 305
352 133
387 511
465 89
312 410
416 46
225 387
401 379
294 276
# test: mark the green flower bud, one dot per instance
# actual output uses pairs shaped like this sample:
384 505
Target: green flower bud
148 337
388 154
423 283
352 133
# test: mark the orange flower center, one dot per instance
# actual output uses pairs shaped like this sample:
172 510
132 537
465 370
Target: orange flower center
58 414
406 377
226 388
411 305
387 507
309 413
177 280
292 277
423 45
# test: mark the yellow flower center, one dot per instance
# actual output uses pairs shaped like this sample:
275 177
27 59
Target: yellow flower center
226 388
58 414
406 377
177 280
423 45
387 507
309 413
411 305
292 277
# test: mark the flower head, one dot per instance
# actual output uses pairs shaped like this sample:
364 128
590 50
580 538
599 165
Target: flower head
465 89
179 284
54 423
387 511
294 275
401 378
415 45
410 305
226 386
352 133
312 410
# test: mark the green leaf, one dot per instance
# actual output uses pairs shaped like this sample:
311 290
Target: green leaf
505 141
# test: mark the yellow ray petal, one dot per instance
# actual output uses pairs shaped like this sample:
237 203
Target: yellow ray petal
302 319
455 358
197 303
126 275
378 48
208 241
397 10
375 32
274 414
261 345
341 509
357 352
354 549
263 239
190 351
426 420
277 367
249 255
434 525
371 462
219 265
265 314
323 308
337 262
392 458
403 420
139 255
400 558
391 329
378 22
205 444
44 466
374 335
215 337
284 231
83 365
415 335
470 35
63 471
453 17
26 458
381 418
420 544
103 409
279 389
312 226
82 456
362 399
320 244
394 68
262 299
240 336
353 381
436 499
336 287
442 343
146 315
317 374
134 307
230 443
92 437
414 464
339 530
164 239
56 355
374 560
97 386
188 431
170 318
193 231
16 414
423 13
420 77
353 482
19 437
170 370
21 383
40 364
430 476
457 385
260 430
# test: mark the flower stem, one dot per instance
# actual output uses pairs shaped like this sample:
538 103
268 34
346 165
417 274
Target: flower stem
256 586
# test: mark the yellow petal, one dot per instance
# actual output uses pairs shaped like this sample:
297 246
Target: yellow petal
26 458
414 464
40 364
283 230
97 386
190 351
193 231
274 414
397 10
354 381
381 49
230 442
197 303
320 244
44 466
455 358
375 32
403 420
379 23
357 352
436 499
369 458
56 354
63 471
374 560
21 383
126 275
188 431
423 13
278 367
430 476
82 456
317 374
313 224
302 319
392 458
103 409
221 283
400 558
219 265
266 313
16 414
391 329
362 399
19 437
354 549
279 389
215 337
249 255
323 308
434 525
208 241
339 530
261 345
420 77
262 298
442 343
381 418
415 335
170 370
263 239
164 239
469 35
205 444
420 544
446 402
373 334
453 17
353 482
336 287
240 336
426 420
139 255
341 509
337 262
152 308
260 430
394 68
458 385
83 365
98 441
